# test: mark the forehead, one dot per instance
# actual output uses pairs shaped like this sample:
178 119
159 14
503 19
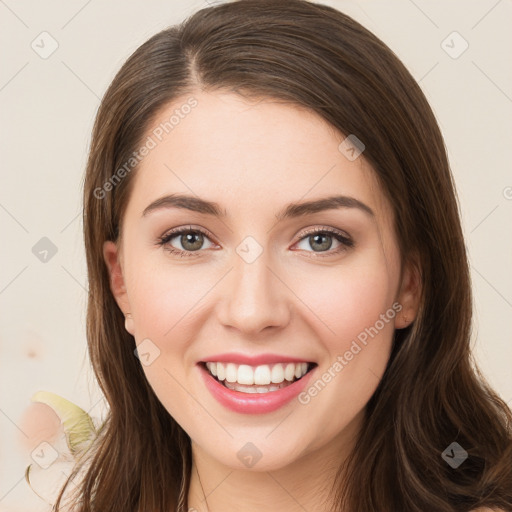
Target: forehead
249 155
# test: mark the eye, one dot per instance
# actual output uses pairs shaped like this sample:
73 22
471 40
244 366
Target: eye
321 239
191 240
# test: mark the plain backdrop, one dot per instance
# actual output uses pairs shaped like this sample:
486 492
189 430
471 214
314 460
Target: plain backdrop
58 58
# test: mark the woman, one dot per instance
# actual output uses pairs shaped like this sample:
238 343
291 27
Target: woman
280 308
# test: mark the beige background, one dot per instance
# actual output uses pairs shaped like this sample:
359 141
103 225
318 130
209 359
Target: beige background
48 106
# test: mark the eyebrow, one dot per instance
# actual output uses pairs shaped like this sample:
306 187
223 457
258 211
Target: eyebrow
291 210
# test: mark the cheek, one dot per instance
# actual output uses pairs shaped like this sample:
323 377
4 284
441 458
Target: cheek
357 305
349 300
355 309
165 298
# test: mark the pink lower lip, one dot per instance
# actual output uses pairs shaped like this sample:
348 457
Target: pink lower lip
253 403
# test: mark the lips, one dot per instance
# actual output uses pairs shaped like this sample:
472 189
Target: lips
255 385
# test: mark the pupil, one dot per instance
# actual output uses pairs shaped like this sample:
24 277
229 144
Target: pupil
189 238
325 245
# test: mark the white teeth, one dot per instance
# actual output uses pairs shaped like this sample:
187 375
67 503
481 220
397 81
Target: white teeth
221 372
255 389
261 375
277 374
231 372
213 368
289 372
245 375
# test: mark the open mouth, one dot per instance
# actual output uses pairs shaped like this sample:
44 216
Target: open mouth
257 379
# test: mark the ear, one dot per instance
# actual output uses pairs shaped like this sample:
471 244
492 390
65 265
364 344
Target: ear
409 294
112 257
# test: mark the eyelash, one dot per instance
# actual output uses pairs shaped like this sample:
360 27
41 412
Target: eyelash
344 240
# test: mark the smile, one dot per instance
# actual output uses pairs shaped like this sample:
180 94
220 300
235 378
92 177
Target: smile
257 379
255 388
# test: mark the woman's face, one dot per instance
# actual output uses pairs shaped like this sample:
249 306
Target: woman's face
288 263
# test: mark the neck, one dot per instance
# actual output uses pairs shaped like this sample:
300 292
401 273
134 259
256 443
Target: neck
306 484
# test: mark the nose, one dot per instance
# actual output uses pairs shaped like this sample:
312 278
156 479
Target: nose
255 297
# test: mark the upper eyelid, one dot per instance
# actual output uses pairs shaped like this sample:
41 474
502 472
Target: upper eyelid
330 230
185 229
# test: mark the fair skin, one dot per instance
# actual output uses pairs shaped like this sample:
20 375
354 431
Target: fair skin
301 297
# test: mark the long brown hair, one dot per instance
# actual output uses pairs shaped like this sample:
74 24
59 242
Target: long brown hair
432 393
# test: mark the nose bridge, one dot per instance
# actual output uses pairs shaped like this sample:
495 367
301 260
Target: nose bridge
255 298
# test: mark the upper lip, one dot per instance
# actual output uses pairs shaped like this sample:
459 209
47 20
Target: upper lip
254 360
